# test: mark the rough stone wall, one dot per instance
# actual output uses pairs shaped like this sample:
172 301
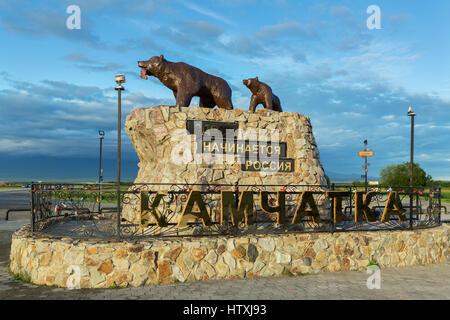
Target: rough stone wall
104 264
153 134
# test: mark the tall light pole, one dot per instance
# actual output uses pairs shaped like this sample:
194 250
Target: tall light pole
411 164
365 166
365 153
101 135
119 78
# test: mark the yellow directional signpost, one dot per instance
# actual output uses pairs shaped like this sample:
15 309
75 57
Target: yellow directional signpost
365 153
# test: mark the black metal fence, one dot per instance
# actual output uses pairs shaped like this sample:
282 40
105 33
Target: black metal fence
90 210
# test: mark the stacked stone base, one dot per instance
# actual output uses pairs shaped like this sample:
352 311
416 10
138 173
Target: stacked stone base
109 264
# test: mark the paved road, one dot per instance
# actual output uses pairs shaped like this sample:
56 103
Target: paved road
15 198
420 282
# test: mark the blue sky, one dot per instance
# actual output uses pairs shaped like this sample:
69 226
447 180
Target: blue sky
319 57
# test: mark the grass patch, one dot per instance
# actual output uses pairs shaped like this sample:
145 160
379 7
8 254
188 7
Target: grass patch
287 273
9 187
22 277
445 196
116 286
372 263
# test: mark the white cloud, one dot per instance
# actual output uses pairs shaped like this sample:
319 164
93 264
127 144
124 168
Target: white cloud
12 145
391 125
355 115
340 11
208 13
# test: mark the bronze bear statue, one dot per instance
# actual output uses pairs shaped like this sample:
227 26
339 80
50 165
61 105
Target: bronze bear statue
187 82
262 93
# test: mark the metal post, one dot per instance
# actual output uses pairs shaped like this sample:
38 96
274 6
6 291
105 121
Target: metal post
418 210
351 200
32 206
430 200
411 165
119 89
332 211
365 171
100 177
439 216
365 166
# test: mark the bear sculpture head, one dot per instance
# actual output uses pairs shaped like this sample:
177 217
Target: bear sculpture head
151 66
251 83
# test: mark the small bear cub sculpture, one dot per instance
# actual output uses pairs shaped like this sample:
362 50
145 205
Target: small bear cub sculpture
262 94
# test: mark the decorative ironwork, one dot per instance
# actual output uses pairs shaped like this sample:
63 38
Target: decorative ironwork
72 210
76 206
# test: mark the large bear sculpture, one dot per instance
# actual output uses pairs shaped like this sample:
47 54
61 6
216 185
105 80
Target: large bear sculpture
187 82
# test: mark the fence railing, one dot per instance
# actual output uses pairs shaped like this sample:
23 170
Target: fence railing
151 210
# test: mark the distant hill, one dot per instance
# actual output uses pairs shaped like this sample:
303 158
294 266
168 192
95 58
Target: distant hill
348 177
59 169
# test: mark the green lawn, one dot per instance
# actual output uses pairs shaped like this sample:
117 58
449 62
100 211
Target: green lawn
9 186
445 192
445 195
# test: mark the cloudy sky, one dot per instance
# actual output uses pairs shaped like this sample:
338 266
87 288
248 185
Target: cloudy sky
319 57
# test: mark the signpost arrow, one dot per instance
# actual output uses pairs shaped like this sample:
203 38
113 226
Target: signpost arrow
366 153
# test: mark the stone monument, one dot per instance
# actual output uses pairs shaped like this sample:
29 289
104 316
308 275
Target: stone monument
172 146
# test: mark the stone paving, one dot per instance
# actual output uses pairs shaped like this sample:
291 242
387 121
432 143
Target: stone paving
419 282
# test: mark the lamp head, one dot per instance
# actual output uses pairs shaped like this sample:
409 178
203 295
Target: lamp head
119 78
410 112
101 133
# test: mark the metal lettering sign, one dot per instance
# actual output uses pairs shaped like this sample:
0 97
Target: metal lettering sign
207 125
265 156
243 148
281 165
242 209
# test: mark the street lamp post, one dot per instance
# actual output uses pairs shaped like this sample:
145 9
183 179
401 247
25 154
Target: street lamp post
119 78
365 166
365 153
411 165
101 135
